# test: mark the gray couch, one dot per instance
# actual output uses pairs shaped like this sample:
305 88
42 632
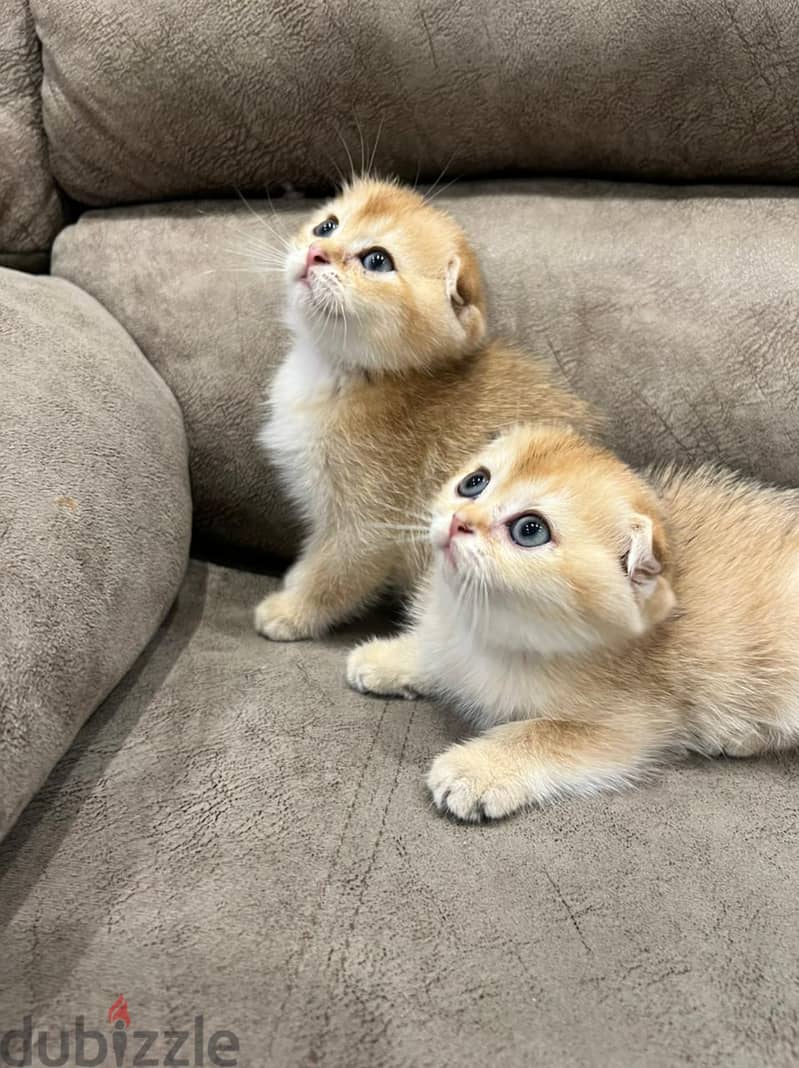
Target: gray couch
210 825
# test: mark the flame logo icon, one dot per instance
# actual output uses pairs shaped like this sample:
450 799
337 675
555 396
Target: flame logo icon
119 1011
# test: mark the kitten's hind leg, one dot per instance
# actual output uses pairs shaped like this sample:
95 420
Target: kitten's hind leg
386 666
533 761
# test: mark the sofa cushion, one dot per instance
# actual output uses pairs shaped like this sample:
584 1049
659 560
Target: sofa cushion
142 103
30 209
94 518
670 308
235 834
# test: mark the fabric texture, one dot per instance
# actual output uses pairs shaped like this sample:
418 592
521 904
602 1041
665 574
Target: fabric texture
30 207
95 518
177 99
670 308
236 834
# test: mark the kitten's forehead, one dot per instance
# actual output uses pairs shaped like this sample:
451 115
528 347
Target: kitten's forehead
587 484
553 467
385 208
556 453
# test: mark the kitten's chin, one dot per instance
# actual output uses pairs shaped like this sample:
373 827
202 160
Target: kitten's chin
453 572
319 326
518 626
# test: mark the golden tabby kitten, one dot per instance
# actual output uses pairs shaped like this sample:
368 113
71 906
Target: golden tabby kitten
596 620
388 386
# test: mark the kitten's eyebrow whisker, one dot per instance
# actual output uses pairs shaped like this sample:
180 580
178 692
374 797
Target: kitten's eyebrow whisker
374 150
428 195
331 159
418 172
275 215
363 146
443 189
349 154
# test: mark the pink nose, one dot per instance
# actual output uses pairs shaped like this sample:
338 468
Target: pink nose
459 526
315 256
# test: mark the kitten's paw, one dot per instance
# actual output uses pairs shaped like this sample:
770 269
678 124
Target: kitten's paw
471 781
381 666
278 617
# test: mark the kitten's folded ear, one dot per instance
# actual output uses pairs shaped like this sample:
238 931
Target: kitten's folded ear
465 294
644 563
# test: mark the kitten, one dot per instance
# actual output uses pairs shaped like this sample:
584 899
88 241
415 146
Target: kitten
596 621
388 386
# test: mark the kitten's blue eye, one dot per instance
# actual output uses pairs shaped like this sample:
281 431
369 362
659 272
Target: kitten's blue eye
530 531
377 259
326 228
474 484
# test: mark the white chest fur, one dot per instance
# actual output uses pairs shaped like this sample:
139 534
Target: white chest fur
488 685
294 433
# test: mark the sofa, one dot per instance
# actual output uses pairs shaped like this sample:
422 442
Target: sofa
208 834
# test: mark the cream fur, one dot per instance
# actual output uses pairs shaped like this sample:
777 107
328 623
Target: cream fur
388 386
662 617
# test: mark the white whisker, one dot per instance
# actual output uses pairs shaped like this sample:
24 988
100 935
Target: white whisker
243 270
430 198
444 170
349 154
363 146
400 527
263 221
254 247
374 150
424 516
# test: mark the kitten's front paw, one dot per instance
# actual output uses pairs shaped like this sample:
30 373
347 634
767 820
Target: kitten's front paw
381 666
278 617
473 782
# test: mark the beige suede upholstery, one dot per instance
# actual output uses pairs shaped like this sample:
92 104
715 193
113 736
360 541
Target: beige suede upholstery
665 307
95 517
233 834
30 207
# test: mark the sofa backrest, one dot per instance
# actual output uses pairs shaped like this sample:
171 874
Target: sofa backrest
146 101
670 309
30 208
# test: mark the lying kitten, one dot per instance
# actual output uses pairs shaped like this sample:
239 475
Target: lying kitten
389 386
597 621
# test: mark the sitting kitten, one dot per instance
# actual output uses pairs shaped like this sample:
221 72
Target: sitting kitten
596 621
389 386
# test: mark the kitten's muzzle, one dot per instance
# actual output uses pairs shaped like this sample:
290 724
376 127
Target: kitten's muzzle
459 525
458 528
314 257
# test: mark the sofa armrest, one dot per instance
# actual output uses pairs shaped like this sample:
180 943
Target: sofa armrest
95 518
